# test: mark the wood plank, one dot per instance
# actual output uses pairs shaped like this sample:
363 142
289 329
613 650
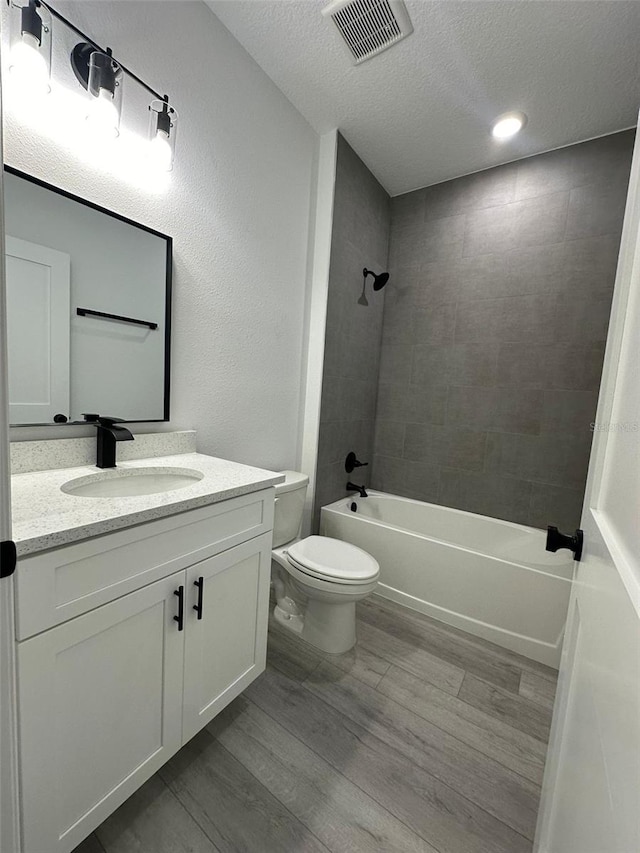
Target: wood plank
91 844
489 735
538 688
235 810
503 793
433 810
153 821
411 657
362 664
339 813
499 652
290 653
457 649
516 711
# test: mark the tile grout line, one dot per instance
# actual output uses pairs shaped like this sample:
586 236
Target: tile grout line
460 688
95 835
195 820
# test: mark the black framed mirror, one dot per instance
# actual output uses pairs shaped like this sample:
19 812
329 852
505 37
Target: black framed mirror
89 308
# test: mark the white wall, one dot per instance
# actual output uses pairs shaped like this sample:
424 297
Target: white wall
237 207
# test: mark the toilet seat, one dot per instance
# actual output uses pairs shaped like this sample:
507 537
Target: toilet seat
333 561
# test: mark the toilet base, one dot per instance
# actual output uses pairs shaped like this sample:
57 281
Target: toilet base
328 627
291 621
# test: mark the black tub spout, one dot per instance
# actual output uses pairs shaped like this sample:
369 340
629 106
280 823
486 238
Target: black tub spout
352 487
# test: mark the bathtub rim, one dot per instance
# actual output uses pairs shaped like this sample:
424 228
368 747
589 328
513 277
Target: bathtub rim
340 507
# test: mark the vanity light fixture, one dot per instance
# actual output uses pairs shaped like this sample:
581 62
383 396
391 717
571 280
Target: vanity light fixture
162 133
97 71
508 124
30 54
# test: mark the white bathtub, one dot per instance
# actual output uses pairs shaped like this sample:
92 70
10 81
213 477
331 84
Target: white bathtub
489 577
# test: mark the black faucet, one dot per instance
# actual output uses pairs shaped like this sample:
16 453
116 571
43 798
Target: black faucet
108 434
351 487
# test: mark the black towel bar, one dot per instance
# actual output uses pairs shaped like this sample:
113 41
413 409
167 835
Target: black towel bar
88 312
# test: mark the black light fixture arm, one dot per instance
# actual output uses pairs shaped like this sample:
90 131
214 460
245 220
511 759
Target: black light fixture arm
54 13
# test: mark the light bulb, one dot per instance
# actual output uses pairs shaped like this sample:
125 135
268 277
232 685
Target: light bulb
103 114
160 151
28 67
508 125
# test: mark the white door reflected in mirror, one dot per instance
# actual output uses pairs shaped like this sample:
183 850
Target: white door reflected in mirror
38 289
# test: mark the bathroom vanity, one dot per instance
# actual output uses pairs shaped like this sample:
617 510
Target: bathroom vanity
138 619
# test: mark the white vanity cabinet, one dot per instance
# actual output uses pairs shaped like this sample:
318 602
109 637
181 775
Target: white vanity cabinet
233 590
113 680
100 701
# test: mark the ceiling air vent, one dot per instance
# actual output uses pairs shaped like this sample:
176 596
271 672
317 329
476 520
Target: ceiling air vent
369 26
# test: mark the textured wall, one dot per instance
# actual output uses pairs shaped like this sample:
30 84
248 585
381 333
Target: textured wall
359 239
237 208
494 327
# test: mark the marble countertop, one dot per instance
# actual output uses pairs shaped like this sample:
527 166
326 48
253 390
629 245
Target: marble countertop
45 517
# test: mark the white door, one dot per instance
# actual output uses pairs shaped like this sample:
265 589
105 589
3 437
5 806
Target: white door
100 709
226 648
38 292
591 791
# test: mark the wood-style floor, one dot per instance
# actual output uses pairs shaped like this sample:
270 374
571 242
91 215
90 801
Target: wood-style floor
423 738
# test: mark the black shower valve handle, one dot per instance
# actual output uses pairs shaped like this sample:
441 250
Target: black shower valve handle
350 463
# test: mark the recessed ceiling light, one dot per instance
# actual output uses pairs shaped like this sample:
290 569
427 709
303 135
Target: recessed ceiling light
508 125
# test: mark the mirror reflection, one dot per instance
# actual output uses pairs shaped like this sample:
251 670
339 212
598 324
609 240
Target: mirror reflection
88 299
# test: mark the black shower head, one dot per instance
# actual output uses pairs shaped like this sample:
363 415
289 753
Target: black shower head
379 280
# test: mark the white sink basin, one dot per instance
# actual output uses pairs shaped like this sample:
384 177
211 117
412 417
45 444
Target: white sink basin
128 482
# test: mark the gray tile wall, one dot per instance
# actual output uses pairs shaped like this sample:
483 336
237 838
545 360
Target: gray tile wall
495 320
360 238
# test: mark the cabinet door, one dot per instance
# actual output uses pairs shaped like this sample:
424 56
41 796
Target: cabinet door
225 649
100 711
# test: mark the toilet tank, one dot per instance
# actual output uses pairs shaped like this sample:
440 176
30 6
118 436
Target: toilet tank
289 507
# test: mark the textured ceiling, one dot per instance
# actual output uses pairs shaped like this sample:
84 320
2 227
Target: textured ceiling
421 112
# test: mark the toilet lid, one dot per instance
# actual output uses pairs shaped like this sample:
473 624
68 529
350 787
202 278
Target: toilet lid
333 559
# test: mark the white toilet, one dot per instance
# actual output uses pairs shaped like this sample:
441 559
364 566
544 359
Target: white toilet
317 580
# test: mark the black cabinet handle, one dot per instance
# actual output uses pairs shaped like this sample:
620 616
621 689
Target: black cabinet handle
557 540
8 558
180 617
198 607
